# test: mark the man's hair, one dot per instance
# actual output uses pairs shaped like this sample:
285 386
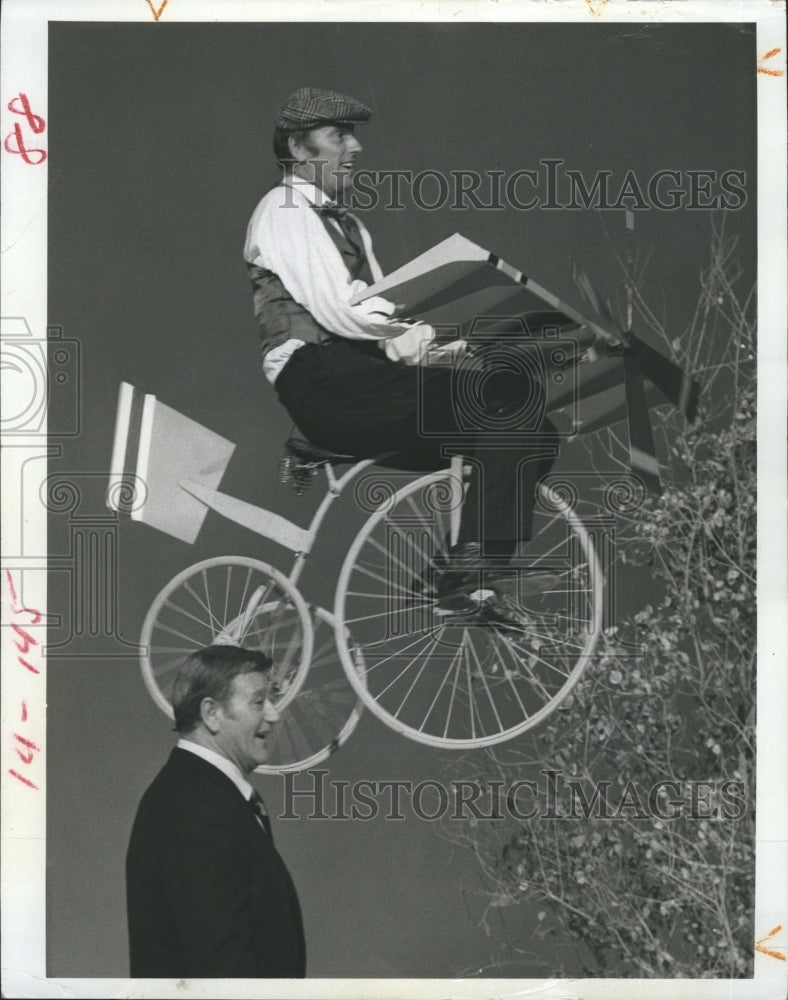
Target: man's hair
208 673
281 147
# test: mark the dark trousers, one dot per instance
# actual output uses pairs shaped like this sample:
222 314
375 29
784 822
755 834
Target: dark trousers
348 396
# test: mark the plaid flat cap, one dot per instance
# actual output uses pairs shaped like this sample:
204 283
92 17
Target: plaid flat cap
310 108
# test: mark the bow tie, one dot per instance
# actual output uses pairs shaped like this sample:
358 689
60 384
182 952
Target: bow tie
337 212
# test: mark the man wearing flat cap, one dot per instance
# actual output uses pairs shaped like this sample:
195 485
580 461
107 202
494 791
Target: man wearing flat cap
346 373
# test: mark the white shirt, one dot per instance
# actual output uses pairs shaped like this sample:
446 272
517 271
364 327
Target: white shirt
287 236
225 766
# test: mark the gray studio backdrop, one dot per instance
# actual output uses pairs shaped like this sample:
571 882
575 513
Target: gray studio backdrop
159 151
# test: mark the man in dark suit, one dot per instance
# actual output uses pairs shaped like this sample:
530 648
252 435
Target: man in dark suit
208 894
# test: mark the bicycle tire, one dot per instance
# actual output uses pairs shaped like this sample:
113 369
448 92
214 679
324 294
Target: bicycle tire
202 602
463 684
324 713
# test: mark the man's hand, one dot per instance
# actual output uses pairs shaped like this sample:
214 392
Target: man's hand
418 346
411 346
375 306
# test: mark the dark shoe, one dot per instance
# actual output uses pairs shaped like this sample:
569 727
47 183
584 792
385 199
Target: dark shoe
455 581
460 604
445 577
466 568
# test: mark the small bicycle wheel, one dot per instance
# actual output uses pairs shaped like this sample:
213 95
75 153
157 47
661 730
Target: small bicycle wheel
226 599
325 711
455 680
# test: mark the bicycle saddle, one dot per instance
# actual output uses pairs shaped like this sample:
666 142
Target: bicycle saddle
312 454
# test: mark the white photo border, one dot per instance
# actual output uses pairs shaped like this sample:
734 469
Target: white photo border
24 273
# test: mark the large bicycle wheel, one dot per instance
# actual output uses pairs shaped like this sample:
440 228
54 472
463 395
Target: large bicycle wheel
226 599
325 711
455 680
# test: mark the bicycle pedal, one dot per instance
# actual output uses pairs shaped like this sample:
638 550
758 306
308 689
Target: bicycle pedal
456 604
504 614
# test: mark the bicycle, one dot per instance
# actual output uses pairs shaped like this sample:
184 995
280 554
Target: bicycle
441 680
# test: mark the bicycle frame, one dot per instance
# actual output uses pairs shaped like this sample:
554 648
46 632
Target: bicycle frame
513 693
270 525
258 588
285 532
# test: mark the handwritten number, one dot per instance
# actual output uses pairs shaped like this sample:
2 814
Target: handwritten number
15 140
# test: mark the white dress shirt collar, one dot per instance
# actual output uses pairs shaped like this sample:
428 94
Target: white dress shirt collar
313 194
225 766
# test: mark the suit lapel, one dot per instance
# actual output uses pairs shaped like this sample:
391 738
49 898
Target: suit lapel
206 770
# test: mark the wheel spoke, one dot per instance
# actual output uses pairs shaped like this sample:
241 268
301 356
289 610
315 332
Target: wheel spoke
174 649
381 579
481 672
419 638
420 673
179 609
455 659
212 622
173 631
204 576
416 678
521 664
402 673
386 613
397 561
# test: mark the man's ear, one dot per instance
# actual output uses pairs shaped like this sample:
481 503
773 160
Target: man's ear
209 708
298 150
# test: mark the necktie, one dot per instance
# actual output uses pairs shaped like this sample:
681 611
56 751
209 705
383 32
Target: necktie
261 813
346 223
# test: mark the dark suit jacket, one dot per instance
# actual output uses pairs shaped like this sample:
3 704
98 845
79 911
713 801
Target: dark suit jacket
207 892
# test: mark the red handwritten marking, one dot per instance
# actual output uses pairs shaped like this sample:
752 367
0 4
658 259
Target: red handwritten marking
156 13
23 640
769 72
22 778
36 122
15 608
31 748
28 640
26 742
12 588
20 105
769 951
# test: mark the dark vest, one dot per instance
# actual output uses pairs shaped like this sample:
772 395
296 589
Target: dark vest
279 317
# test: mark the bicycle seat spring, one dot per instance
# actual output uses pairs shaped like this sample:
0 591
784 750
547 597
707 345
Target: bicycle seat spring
300 474
285 467
302 478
